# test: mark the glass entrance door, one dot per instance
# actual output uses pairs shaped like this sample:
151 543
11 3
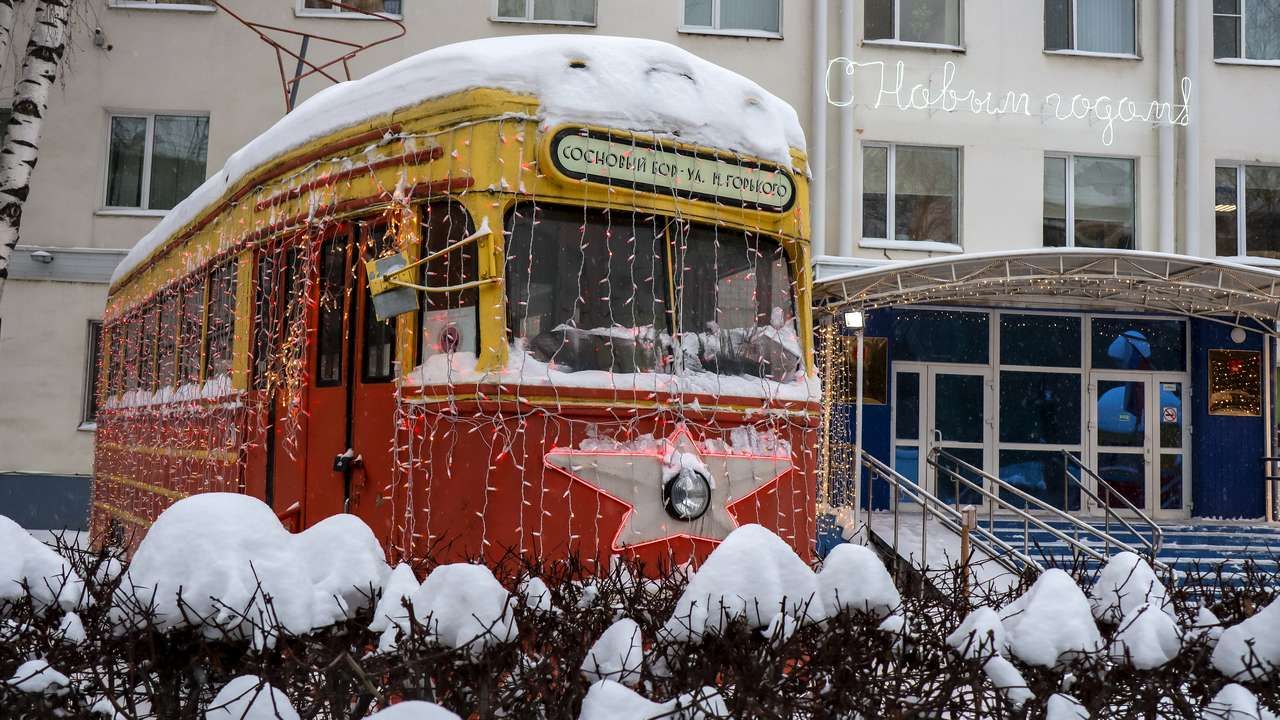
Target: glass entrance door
1140 440
946 407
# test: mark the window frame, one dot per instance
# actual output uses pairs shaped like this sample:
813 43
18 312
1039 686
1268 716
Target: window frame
715 29
1242 242
301 10
1242 58
160 5
1075 43
897 41
530 19
90 402
890 243
144 209
1070 183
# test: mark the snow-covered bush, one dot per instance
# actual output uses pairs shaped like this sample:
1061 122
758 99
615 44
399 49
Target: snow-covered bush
1051 623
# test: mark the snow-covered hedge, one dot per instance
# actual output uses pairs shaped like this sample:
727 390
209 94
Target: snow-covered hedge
224 614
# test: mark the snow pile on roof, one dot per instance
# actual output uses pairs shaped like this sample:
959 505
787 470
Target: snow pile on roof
249 698
464 605
983 635
414 710
854 578
1235 702
27 561
623 83
1051 622
1147 639
36 676
1251 649
616 655
1125 583
225 553
608 700
754 575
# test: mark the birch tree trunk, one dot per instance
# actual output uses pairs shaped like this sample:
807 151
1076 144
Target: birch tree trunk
40 66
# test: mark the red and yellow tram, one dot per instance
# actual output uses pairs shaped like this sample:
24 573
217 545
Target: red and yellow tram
481 325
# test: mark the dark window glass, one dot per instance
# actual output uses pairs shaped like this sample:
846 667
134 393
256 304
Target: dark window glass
1226 35
929 21
760 15
178 154
586 288
167 351
1040 340
1171 481
222 320
1122 413
378 355
1105 202
1041 408
333 309
1262 29
735 304
1135 344
1042 474
951 488
875 192
1127 474
907 407
1057 24
450 319
878 22
150 324
265 323
1055 202
697 13
1171 414
125 161
1262 210
115 371
132 329
926 199
941 336
92 371
1105 26
958 407
192 333
1225 212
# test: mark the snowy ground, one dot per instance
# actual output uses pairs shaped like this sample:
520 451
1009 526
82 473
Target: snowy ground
939 548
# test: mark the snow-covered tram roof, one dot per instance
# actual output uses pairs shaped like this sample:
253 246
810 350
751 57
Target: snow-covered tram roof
622 83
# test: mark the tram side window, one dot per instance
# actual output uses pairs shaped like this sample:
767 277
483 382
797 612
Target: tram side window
735 295
332 310
222 320
265 323
131 329
586 288
378 353
150 319
191 338
115 363
167 338
449 320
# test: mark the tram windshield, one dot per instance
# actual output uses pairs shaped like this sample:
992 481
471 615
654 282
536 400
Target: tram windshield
628 292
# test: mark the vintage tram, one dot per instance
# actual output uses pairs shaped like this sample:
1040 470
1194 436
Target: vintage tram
545 296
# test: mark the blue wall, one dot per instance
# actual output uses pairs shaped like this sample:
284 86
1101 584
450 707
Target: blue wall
1226 451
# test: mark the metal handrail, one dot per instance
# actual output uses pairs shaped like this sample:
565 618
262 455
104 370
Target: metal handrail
1028 519
988 542
1157 534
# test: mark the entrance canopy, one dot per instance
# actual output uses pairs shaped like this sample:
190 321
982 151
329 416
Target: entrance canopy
1222 291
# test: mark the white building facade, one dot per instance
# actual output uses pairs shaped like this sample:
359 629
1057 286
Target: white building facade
159 94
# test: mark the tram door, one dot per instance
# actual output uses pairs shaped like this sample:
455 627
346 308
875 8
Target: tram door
352 393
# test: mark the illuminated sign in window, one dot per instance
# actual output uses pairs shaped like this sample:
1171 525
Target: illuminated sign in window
1235 382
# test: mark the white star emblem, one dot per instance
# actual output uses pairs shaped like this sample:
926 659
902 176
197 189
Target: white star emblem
635 477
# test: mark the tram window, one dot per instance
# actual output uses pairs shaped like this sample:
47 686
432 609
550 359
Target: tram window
735 304
150 334
131 329
115 362
191 337
585 287
264 327
332 310
378 354
449 320
167 338
222 320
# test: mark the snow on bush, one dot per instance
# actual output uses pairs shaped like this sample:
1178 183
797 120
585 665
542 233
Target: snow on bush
1147 638
1052 622
753 575
1126 582
1064 707
982 635
214 559
249 698
854 578
464 606
1251 649
401 584
609 700
535 595
36 676
25 561
1235 702
616 655
414 710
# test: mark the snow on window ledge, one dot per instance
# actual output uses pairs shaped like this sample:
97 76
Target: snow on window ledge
1099 55
911 45
172 7
344 15
130 212
916 245
531 21
1248 62
87 426
742 33
215 388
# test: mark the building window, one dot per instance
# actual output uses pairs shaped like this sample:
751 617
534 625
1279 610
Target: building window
737 17
351 8
932 22
1246 29
165 4
155 160
1247 210
1094 26
913 190
573 12
1089 202
92 370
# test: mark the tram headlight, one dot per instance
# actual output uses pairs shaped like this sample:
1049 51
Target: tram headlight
687 495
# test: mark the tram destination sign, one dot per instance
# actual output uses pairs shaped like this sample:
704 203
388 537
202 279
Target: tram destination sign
602 158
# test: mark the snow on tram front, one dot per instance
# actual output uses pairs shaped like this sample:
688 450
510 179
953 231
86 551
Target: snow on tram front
553 303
